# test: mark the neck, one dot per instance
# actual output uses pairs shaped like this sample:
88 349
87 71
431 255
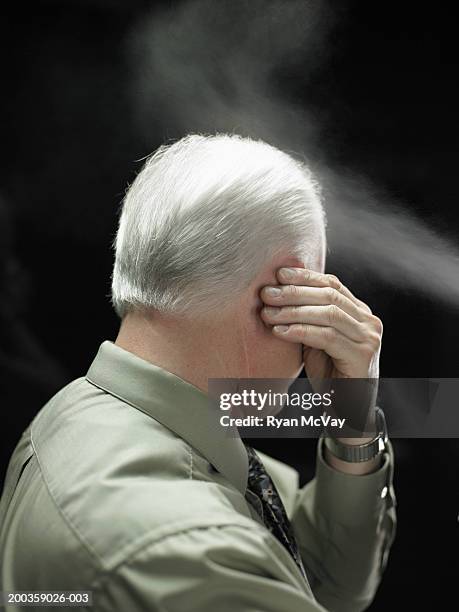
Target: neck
193 352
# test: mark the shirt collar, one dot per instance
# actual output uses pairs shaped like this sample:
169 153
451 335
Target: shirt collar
174 403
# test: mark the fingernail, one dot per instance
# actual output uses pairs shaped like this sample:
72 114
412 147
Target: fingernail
273 291
281 329
287 272
272 312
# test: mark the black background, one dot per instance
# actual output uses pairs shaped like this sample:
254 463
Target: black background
387 97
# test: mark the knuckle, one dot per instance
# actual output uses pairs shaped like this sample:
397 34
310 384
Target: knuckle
301 331
362 331
294 311
378 324
333 313
334 282
306 274
293 290
332 296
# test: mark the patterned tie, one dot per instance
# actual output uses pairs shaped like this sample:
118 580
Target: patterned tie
274 515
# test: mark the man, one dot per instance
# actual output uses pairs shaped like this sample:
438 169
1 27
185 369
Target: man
124 486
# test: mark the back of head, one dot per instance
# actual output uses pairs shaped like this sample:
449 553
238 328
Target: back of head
203 217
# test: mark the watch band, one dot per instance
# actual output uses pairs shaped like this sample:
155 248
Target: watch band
356 453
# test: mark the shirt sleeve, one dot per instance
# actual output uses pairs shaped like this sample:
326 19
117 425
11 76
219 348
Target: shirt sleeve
344 525
224 568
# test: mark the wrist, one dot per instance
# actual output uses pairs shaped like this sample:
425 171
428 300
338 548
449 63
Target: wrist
358 455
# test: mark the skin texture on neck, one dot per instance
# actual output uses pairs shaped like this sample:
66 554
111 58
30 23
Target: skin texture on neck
194 351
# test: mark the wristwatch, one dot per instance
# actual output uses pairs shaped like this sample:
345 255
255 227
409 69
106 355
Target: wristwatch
356 453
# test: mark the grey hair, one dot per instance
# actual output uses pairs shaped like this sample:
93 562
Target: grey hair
202 218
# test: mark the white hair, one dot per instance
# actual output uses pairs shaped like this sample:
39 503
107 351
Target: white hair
203 217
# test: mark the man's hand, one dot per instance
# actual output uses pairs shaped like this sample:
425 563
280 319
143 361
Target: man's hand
340 335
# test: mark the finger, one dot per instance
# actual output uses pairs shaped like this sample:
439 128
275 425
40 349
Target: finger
326 339
325 316
295 295
304 276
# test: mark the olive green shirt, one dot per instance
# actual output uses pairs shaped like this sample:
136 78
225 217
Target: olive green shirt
126 485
